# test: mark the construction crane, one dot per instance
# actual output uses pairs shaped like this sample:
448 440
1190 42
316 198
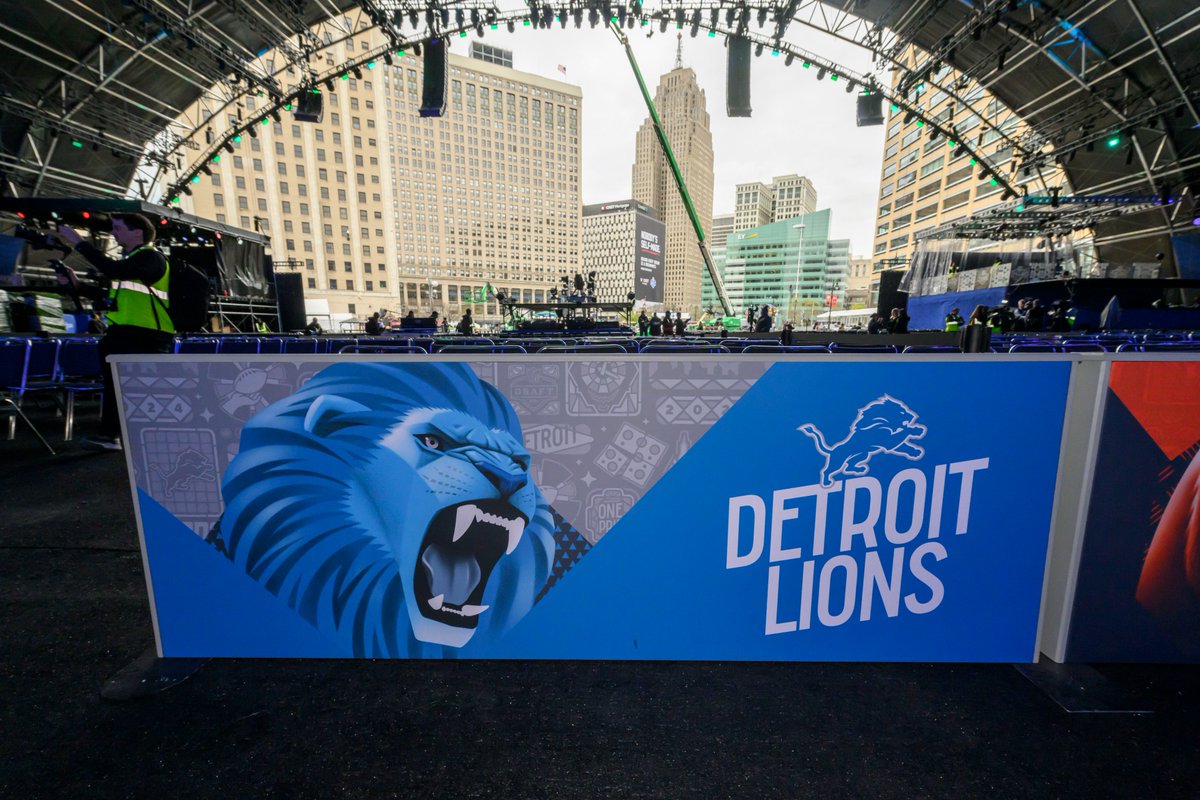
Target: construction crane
718 284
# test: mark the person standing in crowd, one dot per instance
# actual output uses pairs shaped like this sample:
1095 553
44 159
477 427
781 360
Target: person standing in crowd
785 336
668 325
314 327
875 324
978 316
898 322
139 320
680 324
466 325
656 325
749 319
374 327
1036 320
643 323
954 321
764 321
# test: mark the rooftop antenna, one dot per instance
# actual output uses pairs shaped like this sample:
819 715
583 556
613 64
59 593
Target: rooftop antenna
679 50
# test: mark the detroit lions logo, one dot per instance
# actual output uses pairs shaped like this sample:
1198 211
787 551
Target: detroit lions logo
884 425
192 465
391 506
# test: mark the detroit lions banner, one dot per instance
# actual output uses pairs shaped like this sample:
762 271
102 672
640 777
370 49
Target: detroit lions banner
594 508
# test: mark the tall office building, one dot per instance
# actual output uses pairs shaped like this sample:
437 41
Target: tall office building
927 182
785 197
623 244
722 227
380 208
681 107
791 265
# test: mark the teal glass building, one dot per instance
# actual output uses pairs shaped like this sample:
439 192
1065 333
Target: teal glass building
791 265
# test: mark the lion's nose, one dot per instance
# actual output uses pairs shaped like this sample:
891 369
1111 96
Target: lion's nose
507 480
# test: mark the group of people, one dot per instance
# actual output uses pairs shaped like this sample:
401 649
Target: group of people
666 325
1028 315
896 322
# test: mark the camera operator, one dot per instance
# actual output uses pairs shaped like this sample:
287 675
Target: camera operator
138 319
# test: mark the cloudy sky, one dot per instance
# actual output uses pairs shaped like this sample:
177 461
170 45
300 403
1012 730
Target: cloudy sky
800 125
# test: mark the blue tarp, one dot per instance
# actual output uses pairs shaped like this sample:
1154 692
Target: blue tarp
929 312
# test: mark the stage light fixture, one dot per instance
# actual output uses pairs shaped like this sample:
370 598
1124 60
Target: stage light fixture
228 147
458 17
662 25
578 15
909 117
593 18
821 73
1113 141
850 87
758 49
713 18
920 123
762 17
387 59
787 62
729 12
357 73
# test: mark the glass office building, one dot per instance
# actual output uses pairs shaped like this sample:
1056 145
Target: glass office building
791 265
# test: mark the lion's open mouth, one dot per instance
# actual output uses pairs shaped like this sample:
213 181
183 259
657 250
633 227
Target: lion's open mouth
459 551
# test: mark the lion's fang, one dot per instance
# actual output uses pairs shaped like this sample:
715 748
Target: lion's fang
469 514
438 604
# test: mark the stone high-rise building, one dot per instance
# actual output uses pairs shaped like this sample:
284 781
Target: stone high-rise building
682 109
785 197
380 208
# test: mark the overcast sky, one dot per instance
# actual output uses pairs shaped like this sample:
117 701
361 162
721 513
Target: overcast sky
800 125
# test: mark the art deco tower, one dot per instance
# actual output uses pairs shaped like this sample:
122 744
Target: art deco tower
681 107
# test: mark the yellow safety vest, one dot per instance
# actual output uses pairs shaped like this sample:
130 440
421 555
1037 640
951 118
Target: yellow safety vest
951 325
141 304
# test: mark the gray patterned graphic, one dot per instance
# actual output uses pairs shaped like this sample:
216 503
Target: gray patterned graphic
601 430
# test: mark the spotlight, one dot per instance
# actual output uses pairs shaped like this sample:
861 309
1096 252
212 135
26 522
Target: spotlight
578 15
228 147
357 73
762 17
850 87
458 16
821 73
1113 141
387 58
729 12
909 117
662 25
758 49
787 62
960 151
510 24
275 115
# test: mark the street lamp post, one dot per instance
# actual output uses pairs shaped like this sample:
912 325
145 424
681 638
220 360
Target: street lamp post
794 311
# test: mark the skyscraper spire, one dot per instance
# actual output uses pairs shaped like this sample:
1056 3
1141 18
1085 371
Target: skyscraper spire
679 50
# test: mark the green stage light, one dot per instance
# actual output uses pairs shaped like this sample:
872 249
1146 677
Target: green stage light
287 107
973 162
952 143
175 200
525 22
1113 140
195 179
895 108
76 143
712 34
774 52
237 138
1021 207
216 159
992 181
462 34
345 76
495 27
265 121
807 65
833 76
920 123
400 52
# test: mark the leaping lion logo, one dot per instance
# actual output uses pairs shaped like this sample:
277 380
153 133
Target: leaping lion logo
885 425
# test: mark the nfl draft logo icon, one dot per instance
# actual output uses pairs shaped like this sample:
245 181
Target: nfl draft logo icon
885 425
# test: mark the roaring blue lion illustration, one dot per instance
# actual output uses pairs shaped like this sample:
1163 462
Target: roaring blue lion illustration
391 506
885 425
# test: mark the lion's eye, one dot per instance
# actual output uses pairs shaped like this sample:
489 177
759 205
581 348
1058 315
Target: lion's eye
430 441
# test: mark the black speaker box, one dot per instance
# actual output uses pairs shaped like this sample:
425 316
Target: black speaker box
309 107
737 78
289 299
890 295
870 110
433 87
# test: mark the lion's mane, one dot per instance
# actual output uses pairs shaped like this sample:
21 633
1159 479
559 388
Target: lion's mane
296 522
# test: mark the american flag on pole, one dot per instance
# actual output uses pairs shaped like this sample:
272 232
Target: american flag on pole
562 69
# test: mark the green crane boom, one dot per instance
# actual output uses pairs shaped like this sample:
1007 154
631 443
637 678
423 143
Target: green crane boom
718 284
